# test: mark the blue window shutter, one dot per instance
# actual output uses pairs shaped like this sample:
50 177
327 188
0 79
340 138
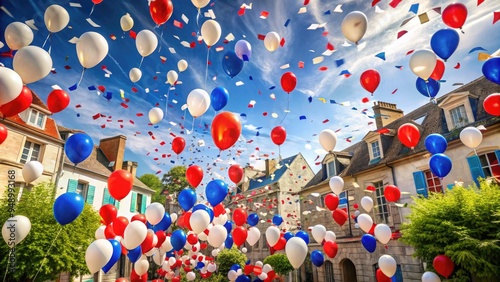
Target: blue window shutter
420 184
497 153
133 202
475 168
106 197
72 185
450 186
117 204
144 204
90 194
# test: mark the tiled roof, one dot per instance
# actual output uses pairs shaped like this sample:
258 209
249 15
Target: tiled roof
65 129
37 101
275 177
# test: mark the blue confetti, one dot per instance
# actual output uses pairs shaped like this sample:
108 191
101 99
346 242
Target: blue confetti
287 22
477 49
333 102
243 115
381 55
328 12
108 95
354 109
250 77
172 162
245 58
272 87
77 115
257 134
302 117
310 99
73 88
344 72
259 128
92 88
414 8
339 62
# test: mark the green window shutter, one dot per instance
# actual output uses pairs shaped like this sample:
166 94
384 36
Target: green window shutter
133 202
106 197
117 205
475 168
144 204
450 186
90 194
420 184
72 185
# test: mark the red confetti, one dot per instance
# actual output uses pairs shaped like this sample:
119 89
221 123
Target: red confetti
323 68
132 34
78 106
401 33
241 12
178 24
162 143
120 120
395 90
329 46
112 36
479 2
457 66
67 67
192 44
409 52
261 36
131 121
325 33
338 130
121 125
53 71
395 3
264 113
124 105
365 100
103 67
264 14
103 126
301 65
101 88
96 116
383 130
134 90
139 114
326 120
496 17
282 42
374 2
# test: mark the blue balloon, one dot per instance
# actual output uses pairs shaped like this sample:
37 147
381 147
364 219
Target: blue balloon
231 64
235 267
253 219
288 235
228 243
219 98
205 208
436 143
170 254
187 199
216 192
78 147
277 220
178 239
68 207
200 265
134 254
491 69
429 89
243 278
369 242
317 258
229 226
117 251
164 224
445 42
440 165
303 235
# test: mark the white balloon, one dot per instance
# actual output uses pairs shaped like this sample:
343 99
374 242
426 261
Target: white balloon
150 252
146 42
134 234
217 235
198 102
173 216
56 18
155 115
15 229
318 232
135 74
365 222
18 35
190 276
244 250
272 235
166 246
172 77
171 261
126 22
11 85
99 233
199 221
211 32
272 41
356 213
232 275
430 277
354 26
158 257
212 267
155 213
98 254
32 63
336 184
215 252
259 263
32 170
220 220
328 139
141 267
243 50
330 236
471 137
383 233
367 203
91 49
200 3
296 251
422 63
202 236
253 235
182 65
262 276
387 265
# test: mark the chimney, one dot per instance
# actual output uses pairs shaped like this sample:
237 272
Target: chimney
114 149
270 166
130 167
386 113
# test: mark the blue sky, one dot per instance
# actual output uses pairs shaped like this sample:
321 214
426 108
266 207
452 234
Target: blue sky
259 75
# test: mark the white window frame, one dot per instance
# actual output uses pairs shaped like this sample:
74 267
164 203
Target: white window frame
488 164
454 101
37 114
455 113
30 152
370 138
381 202
329 172
373 151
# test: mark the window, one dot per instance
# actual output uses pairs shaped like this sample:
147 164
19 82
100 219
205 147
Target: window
81 189
329 271
375 150
433 182
490 165
459 117
382 210
36 118
330 169
343 201
31 152
138 203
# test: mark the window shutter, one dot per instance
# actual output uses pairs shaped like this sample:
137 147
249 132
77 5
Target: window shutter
497 153
420 185
90 194
117 204
450 186
475 168
144 204
106 197
72 185
133 202
324 174
343 201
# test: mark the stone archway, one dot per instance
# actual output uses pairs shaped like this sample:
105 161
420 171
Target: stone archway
348 270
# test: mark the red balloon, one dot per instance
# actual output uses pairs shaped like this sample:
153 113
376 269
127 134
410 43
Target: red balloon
178 145
288 82
278 135
97 1
109 233
139 217
455 15
438 72
340 216
239 235
226 129
443 265
185 222
392 193
121 279
194 175
331 201
108 213
219 209
491 105
370 79
21 103
3 133
331 248
120 184
161 235
235 173
136 278
409 135
161 11
58 100
280 245
381 277
240 216
147 244
119 225
192 239
176 279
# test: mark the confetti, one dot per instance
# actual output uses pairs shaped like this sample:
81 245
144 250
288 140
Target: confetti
185 19
75 5
338 9
264 14
6 11
92 23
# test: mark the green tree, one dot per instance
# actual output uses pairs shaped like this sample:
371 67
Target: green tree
175 180
280 264
462 224
227 257
153 182
68 250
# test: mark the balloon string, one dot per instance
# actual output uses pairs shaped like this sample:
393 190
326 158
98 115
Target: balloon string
198 22
45 42
81 77
92 10
50 42
123 36
140 64
43 260
192 125
161 42
287 108
7 269
206 68
166 102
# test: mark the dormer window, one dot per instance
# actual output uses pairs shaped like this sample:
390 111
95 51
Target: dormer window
459 117
375 148
36 118
459 109
374 144
330 169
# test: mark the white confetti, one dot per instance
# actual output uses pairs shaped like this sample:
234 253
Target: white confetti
308 146
172 50
186 44
285 66
185 19
107 75
328 52
6 11
378 10
272 96
274 115
174 101
229 37
201 143
75 5
219 49
302 10
92 23
146 90
346 44
338 9
176 37
185 106
56 87
1 45
318 60
73 40
361 46
313 27
239 83
31 23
